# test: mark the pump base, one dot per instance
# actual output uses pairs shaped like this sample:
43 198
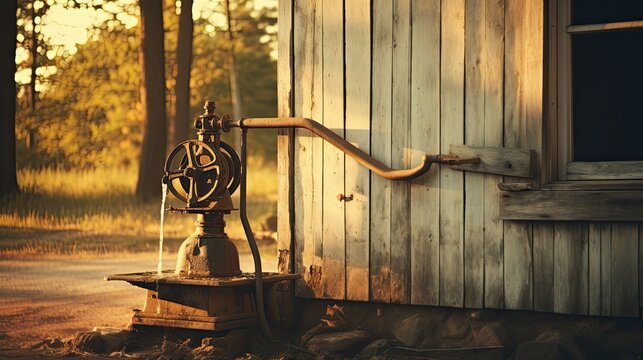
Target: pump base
205 303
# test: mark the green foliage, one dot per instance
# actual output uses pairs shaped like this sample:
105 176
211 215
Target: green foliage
95 94
90 114
257 70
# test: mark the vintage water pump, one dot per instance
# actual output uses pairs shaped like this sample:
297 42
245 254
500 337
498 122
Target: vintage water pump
207 290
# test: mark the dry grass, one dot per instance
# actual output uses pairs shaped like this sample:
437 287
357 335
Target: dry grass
96 211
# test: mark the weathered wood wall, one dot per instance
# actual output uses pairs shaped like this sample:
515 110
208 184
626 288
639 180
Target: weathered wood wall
401 78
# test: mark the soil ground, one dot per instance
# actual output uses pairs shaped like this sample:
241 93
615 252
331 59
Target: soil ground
57 296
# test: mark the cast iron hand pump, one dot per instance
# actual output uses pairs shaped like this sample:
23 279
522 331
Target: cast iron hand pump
208 290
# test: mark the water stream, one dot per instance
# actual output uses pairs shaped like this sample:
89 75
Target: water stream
159 270
163 197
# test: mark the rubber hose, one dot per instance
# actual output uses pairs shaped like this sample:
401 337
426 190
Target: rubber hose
263 323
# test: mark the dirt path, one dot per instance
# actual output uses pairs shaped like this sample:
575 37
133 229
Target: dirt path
58 296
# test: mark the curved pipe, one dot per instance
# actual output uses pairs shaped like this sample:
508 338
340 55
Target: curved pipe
256 256
339 142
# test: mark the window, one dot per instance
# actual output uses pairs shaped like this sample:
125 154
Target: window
596 70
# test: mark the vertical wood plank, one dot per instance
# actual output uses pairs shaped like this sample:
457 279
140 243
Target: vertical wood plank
334 246
571 268
358 81
425 138
606 269
308 161
523 120
400 153
625 269
285 140
452 132
493 64
380 227
474 207
595 268
543 266
518 265
640 265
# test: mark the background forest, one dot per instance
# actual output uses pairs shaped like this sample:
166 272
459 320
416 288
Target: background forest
86 183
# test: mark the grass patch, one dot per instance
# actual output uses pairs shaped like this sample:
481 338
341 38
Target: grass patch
95 211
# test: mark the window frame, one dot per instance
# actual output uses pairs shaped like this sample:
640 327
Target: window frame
558 161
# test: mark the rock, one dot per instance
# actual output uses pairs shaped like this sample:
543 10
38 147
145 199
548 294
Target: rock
236 342
409 331
91 342
549 336
493 334
377 347
116 341
455 327
55 343
346 342
555 345
210 348
532 350
174 351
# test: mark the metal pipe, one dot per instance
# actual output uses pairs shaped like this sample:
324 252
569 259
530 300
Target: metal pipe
359 155
251 239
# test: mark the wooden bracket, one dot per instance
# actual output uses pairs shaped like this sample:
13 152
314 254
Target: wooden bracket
495 160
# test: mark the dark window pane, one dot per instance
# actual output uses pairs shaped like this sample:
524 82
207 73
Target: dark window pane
604 11
608 96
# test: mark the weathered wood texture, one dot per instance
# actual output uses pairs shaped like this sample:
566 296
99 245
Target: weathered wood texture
404 78
425 137
381 107
452 132
308 150
493 160
285 140
334 260
358 125
572 205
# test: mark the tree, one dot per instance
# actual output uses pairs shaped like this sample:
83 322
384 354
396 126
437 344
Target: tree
8 182
235 90
30 38
151 58
92 106
184 64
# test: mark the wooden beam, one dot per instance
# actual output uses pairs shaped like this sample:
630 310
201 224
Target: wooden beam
495 160
425 136
452 131
603 170
572 205
400 153
380 227
592 28
334 245
493 64
571 289
285 141
624 282
358 124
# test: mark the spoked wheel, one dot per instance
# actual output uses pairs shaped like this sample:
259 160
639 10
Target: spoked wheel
196 172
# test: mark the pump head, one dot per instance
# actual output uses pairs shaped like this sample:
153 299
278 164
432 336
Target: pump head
205 172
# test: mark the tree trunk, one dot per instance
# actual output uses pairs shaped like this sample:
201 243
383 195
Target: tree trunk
183 67
151 58
235 91
34 58
8 32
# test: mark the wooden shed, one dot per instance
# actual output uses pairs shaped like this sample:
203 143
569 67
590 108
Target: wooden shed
550 220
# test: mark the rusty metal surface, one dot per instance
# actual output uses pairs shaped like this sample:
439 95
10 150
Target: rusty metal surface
197 307
208 251
169 277
351 150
